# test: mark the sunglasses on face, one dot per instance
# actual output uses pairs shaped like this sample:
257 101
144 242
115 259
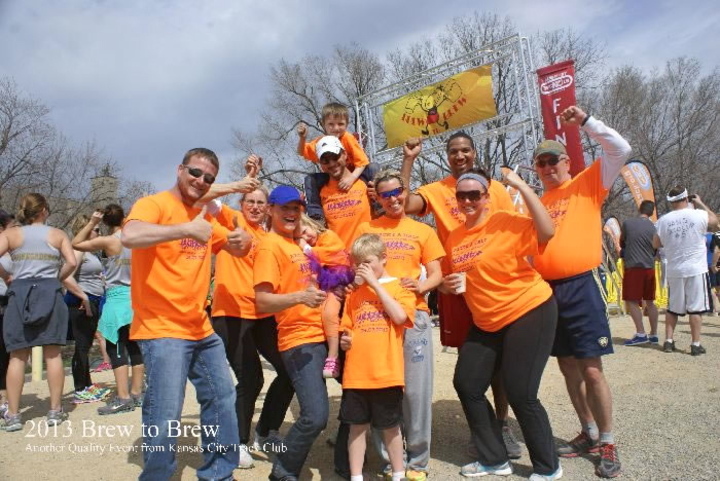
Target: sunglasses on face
552 161
195 172
471 195
391 193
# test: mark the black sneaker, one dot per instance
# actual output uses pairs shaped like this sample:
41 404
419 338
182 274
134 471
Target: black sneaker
609 465
117 405
696 350
669 346
580 444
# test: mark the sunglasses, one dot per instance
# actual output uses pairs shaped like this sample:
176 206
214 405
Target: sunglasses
552 161
391 193
195 172
471 195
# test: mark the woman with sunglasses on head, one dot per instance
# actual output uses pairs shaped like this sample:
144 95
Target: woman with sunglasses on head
514 315
411 245
37 252
84 297
117 313
246 332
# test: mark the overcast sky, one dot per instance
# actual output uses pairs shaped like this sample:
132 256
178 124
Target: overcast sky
149 79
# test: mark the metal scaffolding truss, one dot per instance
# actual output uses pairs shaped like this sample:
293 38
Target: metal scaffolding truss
515 95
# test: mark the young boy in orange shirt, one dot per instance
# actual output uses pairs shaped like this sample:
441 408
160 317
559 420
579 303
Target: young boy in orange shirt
376 315
335 118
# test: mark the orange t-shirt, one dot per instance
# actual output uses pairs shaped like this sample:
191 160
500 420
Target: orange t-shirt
409 243
356 156
345 211
375 360
170 281
575 208
440 199
501 285
282 264
234 293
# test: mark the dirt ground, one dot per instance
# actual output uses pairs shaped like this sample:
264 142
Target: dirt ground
666 423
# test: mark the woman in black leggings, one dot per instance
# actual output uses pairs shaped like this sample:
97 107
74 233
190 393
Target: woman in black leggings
514 317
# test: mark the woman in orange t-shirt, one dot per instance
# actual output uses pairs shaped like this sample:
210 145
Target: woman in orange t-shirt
514 316
248 333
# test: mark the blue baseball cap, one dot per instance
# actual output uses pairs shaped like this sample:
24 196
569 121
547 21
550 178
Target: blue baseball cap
284 194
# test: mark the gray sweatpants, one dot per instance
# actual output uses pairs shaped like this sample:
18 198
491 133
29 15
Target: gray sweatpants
417 399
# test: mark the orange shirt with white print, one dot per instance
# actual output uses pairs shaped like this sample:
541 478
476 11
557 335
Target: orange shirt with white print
409 243
501 285
345 211
440 199
375 359
170 281
356 156
282 264
234 293
575 208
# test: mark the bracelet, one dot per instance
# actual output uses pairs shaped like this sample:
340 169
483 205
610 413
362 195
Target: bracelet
582 124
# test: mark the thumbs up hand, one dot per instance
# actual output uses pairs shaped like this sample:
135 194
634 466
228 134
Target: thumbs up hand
199 229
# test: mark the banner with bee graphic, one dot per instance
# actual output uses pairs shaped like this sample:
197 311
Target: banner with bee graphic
461 99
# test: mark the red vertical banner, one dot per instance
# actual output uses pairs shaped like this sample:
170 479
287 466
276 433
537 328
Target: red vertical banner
557 92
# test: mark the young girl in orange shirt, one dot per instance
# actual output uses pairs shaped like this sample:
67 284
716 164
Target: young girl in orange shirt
330 263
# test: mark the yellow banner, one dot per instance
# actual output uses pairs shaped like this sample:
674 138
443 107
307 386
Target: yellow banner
459 100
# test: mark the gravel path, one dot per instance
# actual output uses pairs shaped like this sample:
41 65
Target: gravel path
667 409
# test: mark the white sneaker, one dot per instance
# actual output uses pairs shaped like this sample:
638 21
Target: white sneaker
478 469
246 461
547 477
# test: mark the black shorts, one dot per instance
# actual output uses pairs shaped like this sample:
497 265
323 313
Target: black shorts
583 330
382 408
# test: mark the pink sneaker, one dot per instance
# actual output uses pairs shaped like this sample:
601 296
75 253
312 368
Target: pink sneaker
102 367
331 368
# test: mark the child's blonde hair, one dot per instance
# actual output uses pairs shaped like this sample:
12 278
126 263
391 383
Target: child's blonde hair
334 109
367 245
307 221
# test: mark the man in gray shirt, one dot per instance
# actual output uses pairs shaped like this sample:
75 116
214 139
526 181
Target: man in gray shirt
636 240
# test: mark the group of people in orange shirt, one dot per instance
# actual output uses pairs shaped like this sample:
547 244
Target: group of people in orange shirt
522 285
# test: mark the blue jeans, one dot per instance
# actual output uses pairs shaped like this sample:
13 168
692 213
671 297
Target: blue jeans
304 365
169 363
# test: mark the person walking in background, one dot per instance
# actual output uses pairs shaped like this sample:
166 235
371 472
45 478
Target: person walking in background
37 252
638 284
117 313
681 234
85 292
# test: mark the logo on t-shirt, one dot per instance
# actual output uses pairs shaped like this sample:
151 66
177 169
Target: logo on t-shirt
192 249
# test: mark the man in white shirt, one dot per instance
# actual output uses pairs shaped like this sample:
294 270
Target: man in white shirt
682 234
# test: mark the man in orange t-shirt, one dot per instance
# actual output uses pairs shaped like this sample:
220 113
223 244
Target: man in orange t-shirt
438 198
583 332
344 210
284 287
172 241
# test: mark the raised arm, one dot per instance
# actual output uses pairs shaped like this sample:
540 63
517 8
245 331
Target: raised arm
712 218
542 220
414 203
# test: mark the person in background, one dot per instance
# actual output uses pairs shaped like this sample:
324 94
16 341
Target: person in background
37 252
6 221
117 312
85 292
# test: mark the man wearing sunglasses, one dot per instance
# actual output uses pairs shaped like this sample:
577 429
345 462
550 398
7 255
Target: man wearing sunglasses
344 210
172 241
583 333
